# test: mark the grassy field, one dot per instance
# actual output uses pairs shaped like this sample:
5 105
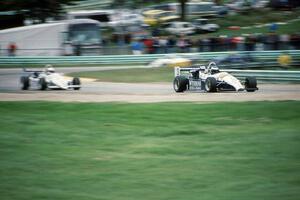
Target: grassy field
255 17
289 28
150 151
137 75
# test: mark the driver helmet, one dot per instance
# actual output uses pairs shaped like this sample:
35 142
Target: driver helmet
215 70
49 69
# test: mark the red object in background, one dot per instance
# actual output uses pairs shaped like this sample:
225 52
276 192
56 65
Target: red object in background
234 27
12 48
236 40
149 45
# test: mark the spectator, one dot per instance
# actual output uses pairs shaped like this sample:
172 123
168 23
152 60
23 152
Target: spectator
148 43
137 47
205 42
155 32
171 44
221 43
163 42
284 41
193 48
241 43
226 42
156 45
213 43
275 40
260 42
295 41
12 48
270 41
188 43
181 44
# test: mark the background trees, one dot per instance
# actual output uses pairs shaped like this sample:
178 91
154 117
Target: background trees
36 9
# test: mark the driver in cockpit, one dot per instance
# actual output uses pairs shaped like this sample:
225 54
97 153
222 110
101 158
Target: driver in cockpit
49 69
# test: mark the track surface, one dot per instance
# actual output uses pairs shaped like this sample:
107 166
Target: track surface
135 92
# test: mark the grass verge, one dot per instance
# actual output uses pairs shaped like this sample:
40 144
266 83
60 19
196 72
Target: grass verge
150 151
135 75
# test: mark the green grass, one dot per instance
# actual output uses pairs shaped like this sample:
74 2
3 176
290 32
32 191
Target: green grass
290 28
136 75
150 151
255 17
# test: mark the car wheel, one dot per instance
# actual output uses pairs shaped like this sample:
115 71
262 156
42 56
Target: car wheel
250 84
211 84
76 81
25 82
43 84
180 83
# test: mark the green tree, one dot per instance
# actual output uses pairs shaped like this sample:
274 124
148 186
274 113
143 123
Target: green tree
36 9
182 6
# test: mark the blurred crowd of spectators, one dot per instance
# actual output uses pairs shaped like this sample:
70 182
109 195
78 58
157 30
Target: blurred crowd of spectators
186 44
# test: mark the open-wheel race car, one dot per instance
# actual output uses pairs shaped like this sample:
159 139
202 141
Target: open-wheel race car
210 79
172 60
47 79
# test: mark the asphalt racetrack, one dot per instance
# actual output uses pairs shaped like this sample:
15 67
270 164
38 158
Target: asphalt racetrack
93 91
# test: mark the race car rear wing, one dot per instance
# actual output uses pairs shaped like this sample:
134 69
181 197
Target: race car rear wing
180 71
32 71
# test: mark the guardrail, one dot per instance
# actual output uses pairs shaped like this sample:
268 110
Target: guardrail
268 59
266 56
267 75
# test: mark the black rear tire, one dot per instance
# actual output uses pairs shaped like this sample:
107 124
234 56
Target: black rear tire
250 84
211 84
76 81
25 82
180 83
43 84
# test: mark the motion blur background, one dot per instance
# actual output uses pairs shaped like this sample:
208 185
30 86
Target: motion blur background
206 145
93 27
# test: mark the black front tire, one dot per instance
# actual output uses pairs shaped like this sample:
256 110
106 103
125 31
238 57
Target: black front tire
250 84
211 84
25 82
180 83
43 84
76 81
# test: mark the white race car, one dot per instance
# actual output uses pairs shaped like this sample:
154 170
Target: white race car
48 78
210 79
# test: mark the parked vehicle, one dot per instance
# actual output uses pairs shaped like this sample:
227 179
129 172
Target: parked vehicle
53 39
194 9
210 79
239 5
180 28
202 25
201 9
127 20
154 17
102 16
